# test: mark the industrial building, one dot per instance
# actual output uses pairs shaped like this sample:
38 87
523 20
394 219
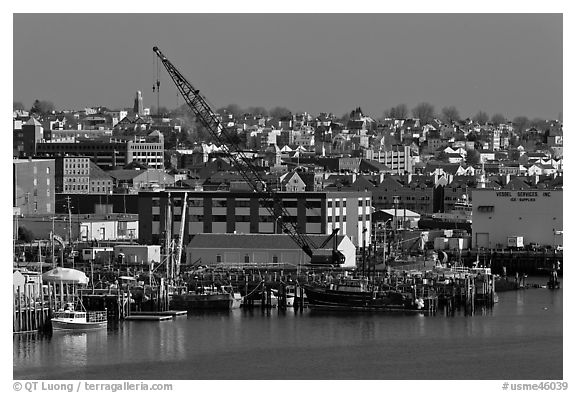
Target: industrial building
245 249
534 214
33 187
241 212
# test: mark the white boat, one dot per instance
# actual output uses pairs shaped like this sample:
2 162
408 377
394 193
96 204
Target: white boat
73 320
290 294
462 212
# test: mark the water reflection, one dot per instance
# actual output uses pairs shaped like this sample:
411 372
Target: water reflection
371 345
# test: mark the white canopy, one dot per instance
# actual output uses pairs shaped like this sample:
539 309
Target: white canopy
65 275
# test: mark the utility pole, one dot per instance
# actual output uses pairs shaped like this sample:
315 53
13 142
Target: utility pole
52 242
364 251
70 230
396 199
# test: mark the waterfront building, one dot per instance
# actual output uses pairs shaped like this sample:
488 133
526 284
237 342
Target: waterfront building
26 136
72 175
100 182
85 227
137 254
241 212
535 214
33 186
243 249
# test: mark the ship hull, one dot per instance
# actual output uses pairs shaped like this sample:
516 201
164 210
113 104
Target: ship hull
203 302
76 326
326 299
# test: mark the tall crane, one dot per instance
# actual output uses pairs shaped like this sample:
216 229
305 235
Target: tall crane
269 198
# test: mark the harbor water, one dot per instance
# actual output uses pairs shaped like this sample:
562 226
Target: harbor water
519 338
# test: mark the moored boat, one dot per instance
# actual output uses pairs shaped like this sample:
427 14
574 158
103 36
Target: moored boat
206 298
75 320
355 295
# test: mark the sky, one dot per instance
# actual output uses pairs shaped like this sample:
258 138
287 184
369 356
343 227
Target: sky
497 63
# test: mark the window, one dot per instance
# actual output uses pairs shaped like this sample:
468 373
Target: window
246 258
275 259
218 258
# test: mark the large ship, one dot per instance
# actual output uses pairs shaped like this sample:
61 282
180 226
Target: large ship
461 213
356 295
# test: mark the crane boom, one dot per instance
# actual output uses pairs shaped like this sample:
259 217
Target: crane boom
269 199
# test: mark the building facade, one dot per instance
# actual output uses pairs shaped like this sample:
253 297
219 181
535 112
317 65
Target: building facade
534 214
104 153
33 186
147 151
72 175
241 212
398 158
26 137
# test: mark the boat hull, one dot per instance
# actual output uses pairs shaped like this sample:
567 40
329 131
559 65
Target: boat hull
204 302
326 299
77 326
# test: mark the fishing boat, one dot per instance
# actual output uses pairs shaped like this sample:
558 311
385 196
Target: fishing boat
77 320
207 298
356 295
290 295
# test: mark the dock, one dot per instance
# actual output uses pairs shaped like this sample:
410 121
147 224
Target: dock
156 318
171 313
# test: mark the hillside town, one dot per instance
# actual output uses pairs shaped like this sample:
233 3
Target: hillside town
99 176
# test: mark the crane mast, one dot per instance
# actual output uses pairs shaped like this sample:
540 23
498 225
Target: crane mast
269 199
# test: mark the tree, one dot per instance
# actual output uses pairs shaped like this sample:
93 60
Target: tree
17 106
424 111
257 111
520 124
163 110
481 117
279 111
498 118
442 156
42 107
397 112
472 157
450 114
537 123
25 235
472 136
231 109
